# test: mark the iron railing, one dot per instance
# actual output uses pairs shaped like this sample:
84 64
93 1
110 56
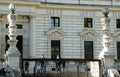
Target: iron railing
61 67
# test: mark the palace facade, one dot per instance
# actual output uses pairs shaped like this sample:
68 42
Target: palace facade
68 28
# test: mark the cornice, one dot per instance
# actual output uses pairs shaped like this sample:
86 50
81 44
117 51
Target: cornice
88 7
67 7
87 32
55 30
21 2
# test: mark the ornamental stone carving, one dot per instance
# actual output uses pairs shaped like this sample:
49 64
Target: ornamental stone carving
116 36
88 35
55 34
105 23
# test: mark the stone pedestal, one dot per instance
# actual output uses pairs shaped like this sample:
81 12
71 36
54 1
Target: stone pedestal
109 61
13 60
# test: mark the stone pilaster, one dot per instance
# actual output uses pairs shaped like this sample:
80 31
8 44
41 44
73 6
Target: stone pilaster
32 36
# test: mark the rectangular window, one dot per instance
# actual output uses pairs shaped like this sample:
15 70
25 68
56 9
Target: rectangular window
55 48
117 23
88 49
118 50
87 22
19 26
55 22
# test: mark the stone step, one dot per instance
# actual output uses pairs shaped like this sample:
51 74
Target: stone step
67 75
62 75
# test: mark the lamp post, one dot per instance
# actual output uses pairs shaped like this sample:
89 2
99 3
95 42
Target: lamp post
106 12
12 54
107 55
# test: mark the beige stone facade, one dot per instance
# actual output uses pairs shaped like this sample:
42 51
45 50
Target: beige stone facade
35 18
37 32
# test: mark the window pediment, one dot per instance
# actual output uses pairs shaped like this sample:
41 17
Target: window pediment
116 35
88 35
55 34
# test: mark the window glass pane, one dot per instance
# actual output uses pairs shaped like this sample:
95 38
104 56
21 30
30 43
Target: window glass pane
89 19
118 50
19 26
56 24
117 23
6 25
55 21
52 22
88 22
85 22
88 49
55 49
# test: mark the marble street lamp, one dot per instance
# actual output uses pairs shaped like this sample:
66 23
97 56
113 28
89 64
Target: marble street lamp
12 54
105 12
12 8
